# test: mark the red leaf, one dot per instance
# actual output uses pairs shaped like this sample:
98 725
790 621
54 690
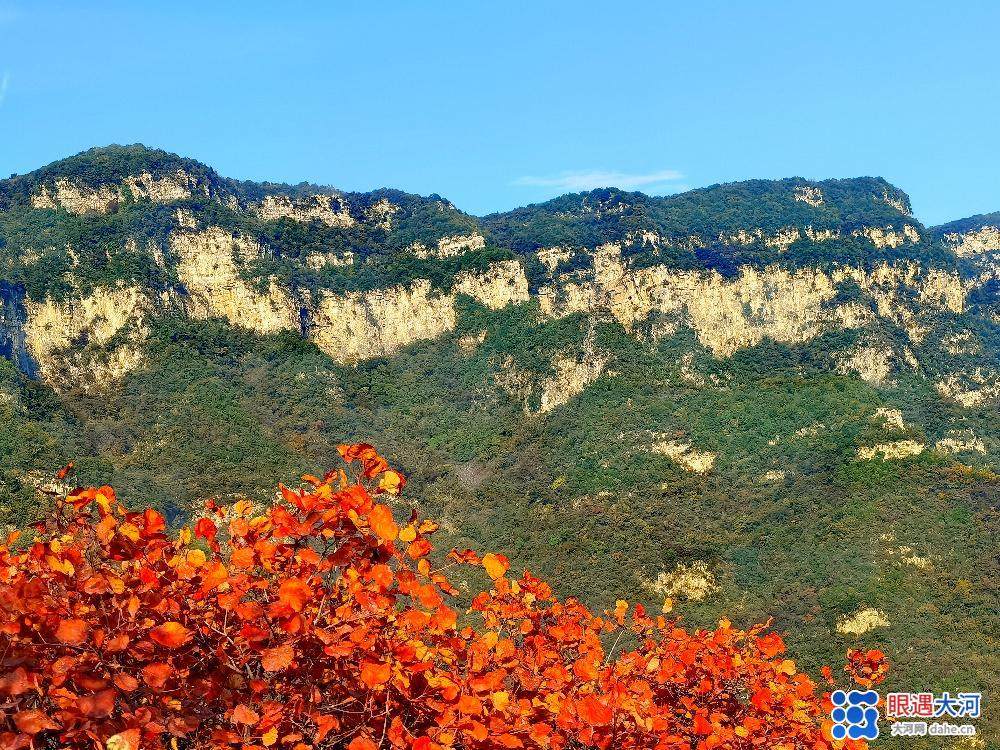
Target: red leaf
277 659
205 527
33 721
170 634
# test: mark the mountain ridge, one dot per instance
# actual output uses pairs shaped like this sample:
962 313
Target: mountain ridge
92 164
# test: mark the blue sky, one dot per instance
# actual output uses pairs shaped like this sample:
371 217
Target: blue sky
495 105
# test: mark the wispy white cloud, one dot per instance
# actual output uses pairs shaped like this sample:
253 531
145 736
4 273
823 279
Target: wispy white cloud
4 84
577 181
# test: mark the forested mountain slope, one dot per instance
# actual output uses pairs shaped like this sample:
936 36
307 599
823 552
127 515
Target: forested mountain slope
763 398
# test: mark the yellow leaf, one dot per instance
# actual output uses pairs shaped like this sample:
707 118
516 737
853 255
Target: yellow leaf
129 531
668 605
196 557
60 566
496 565
407 534
392 482
269 737
105 498
787 667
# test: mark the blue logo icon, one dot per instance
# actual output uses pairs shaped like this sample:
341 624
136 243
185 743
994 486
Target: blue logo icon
854 715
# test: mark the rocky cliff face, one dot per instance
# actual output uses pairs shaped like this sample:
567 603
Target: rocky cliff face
734 286
208 268
731 314
67 340
80 198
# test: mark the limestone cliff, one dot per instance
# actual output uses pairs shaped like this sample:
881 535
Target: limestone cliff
731 314
450 247
207 267
736 265
361 325
331 210
79 198
66 339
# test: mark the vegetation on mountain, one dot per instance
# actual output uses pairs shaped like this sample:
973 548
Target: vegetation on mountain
321 622
790 519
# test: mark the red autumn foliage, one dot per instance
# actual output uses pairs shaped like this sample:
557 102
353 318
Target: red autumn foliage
321 623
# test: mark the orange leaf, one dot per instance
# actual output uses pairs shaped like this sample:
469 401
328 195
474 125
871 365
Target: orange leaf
374 674
593 711
243 714
294 593
496 565
277 659
770 645
243 558
382 523
72 632
170 634
153 522
126 682
362 743
157 674
702 725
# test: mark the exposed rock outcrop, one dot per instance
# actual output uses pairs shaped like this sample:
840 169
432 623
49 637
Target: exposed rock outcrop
451 246
694 581
976 242
728 315
65 338
79 198
331 210
207 267
690 458
807 194
572 375
863 621
890 451
362 325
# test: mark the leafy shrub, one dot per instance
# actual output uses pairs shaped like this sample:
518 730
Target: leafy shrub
321 622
